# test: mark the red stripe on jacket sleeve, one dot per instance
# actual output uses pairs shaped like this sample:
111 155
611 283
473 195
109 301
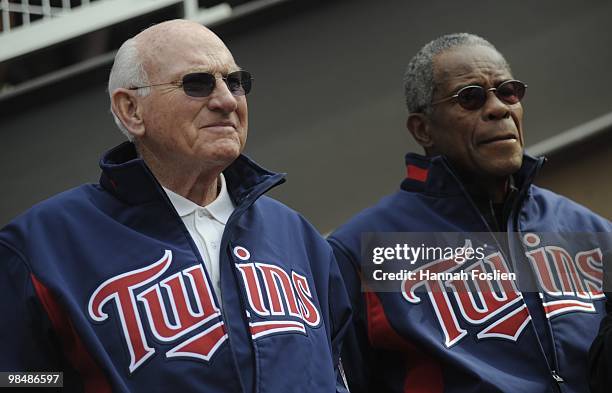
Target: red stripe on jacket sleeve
94 379
423 373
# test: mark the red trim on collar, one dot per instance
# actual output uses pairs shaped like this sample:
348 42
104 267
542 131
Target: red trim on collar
415 173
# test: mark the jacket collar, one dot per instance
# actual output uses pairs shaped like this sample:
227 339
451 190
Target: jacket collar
126 176
436 176
220 209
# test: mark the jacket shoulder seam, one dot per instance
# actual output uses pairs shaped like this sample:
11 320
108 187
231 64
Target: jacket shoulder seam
17 253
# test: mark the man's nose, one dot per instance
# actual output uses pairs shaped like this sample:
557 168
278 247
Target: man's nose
221 99
494 108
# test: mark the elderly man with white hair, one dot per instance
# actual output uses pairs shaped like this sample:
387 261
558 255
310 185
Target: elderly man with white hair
174 273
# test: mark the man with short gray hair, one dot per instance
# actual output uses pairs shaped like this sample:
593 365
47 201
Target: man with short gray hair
435 329
419 76
175 273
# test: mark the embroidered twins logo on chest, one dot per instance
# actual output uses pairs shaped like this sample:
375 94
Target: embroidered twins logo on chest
573 281
180 310
284 301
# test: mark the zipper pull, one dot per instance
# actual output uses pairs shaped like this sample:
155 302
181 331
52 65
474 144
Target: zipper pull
557 377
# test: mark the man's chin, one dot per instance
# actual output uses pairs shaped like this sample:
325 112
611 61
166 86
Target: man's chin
223 156
503 167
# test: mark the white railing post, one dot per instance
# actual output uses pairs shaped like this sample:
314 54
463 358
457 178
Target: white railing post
25 12
191 8
46 9
6 20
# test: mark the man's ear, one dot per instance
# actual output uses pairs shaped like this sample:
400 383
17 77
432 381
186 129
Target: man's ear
128 109
418 125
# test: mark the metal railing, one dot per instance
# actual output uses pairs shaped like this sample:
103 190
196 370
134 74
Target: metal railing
573 136
30 25
17 13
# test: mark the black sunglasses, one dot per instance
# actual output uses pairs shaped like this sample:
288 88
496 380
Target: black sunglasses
474 97
202 84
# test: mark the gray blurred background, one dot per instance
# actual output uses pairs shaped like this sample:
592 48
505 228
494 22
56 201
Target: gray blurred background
327 103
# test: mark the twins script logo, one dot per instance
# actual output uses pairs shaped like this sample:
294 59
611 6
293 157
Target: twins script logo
288 298
574 280
288 302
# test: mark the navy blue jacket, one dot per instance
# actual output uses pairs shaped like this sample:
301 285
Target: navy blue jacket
600 354
530 342
104 283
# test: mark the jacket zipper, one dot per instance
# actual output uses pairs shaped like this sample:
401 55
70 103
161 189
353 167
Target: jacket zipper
513 214
244 204
557 377
512 218
513 221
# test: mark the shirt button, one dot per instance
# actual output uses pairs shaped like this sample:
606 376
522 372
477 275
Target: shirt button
200 213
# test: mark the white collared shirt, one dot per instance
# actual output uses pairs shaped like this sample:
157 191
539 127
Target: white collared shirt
206 225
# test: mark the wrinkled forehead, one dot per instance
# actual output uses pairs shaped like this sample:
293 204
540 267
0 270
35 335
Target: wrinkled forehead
171 54
475 63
